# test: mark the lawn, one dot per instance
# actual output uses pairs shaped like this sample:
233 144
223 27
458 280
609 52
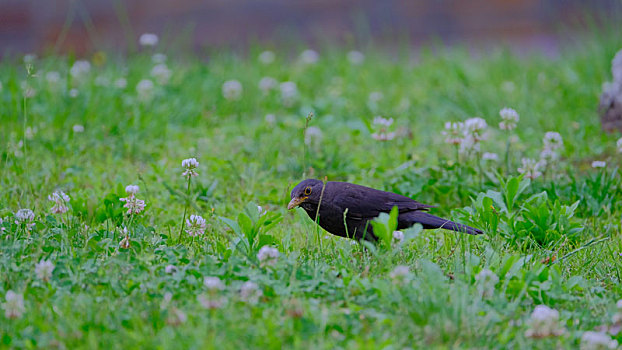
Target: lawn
188 260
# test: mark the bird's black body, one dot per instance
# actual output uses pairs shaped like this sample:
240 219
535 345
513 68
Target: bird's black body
346 209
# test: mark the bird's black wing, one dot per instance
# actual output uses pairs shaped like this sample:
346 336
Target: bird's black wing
365 203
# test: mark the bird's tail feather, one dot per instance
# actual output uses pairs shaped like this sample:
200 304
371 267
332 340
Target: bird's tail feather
429 221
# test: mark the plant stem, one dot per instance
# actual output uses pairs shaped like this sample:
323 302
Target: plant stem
317 217
304 145
183 220
479 169
507 154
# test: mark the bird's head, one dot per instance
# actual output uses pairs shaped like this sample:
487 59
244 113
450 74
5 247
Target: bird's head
306 194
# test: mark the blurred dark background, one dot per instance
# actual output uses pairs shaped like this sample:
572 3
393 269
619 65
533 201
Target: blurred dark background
83 26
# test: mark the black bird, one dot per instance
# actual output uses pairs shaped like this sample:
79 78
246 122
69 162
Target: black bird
346 209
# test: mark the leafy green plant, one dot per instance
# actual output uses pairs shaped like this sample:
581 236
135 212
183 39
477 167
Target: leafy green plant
522 278
110 208
251 229
598 192
384 225
536 218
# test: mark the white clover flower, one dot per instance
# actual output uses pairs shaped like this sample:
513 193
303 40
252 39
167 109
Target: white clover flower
400 274
44 269
309 57
398 236
313 135
486 281
289 93
26 217
267 256
266 57
80 68
77 128
553 140
120 83
476 128
73 93
161 73
190 165
266 84
211 302
469 145
490 156
213 283
270 118
132 189
23 215
453 133
195 225
170 269
60 200
619 145
133 204
2 228
250 292
14 305
356 57
383 121
232 90
148 39
509 119
530 168
383 134
598 164
597 341
544 322
144 88
158 58
549 155
52 77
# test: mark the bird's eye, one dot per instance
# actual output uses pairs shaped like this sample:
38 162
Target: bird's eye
307 191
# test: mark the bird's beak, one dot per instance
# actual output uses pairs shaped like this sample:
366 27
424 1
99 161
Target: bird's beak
296 201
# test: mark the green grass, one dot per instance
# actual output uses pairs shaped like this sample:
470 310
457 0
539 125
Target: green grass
554 240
